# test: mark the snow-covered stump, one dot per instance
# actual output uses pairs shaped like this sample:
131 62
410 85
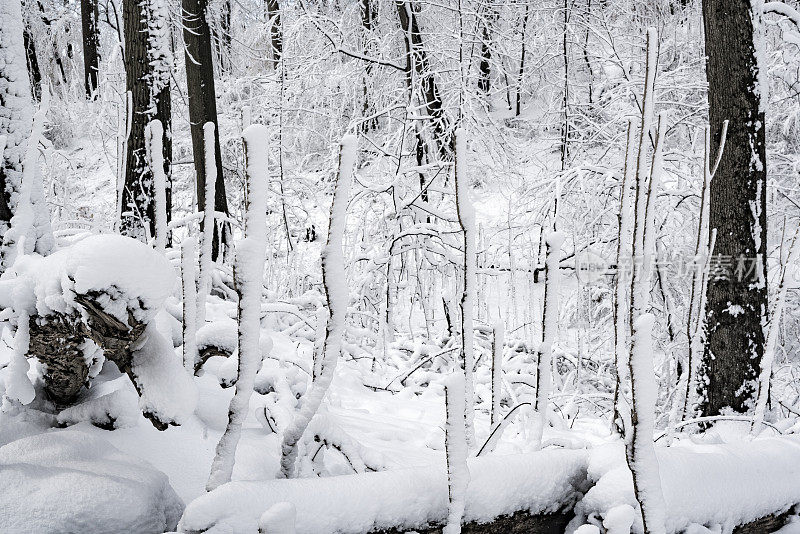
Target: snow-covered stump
249 276
105 289
334 281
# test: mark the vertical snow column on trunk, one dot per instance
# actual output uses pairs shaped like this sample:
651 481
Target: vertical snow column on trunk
621 297
209 218
639 447
466 219
456 449
498 340
148 64
248 273
552 287
334 281
189 304
154 135
16 112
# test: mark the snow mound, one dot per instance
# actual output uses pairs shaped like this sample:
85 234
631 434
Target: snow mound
728 484
540 482
222 334
70 481
126 273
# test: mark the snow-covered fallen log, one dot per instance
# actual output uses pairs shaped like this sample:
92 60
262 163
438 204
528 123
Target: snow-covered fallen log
71 481
717 484
539 483
107 289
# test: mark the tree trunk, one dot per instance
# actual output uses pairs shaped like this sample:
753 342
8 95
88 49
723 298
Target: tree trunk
737 293
417 60
484 67
34 72
91 45
275 31
147 68
202 102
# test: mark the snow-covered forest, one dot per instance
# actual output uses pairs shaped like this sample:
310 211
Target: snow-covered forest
397 266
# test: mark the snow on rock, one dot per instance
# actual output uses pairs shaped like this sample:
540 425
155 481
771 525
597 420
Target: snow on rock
728 484
540 482
166 388
129 275
70 481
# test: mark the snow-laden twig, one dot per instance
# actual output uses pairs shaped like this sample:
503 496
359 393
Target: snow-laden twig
249 273
334 281
154 135
772 334
189 304
209 221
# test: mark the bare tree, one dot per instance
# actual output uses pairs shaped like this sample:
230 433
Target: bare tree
737 290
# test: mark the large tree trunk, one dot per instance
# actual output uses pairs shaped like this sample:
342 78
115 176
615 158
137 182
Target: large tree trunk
91 45
147 67
737 292
202 102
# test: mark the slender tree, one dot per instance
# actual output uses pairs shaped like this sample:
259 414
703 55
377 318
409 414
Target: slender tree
202 101
737 291
91 45
148 61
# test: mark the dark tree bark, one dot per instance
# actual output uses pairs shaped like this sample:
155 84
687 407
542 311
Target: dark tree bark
737 292
34 72
417 60
521 73
275 30
368 17
91 45
147 69
202 102
485 66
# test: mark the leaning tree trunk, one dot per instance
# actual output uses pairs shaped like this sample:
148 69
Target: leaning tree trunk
91 45
148 61
737 292
202 102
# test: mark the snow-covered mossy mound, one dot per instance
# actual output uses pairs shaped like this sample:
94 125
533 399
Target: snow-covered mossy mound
97 300
70 481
